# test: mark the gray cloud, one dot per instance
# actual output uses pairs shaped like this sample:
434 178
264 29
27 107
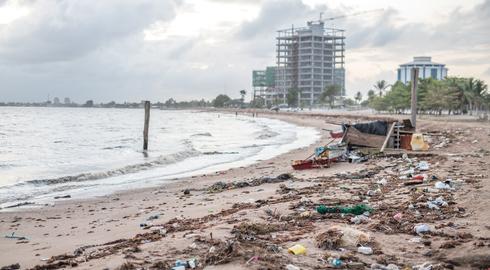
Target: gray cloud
95 50
247 2
64 30
487 72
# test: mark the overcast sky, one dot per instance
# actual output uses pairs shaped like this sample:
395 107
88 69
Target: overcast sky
130 50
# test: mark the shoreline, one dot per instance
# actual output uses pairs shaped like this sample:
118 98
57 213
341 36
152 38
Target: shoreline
187 218
271 167
78 193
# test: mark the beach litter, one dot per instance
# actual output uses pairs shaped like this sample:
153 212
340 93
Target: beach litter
443 185
423 166
359 219
292 267
153 217
422 228
252 259
356 210
398 217
297 249
424 266
377 266
435 204
13 236
365 250
335 262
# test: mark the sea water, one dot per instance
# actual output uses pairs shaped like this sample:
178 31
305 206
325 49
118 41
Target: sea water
86 152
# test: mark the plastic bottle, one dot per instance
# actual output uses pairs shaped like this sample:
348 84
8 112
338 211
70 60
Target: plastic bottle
335 262
422 228
365 250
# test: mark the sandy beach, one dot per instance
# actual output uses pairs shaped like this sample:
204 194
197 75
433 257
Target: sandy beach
254 214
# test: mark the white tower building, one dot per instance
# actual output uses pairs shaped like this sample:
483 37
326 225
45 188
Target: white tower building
427 69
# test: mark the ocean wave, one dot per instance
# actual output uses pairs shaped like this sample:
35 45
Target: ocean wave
220 153
115 147
205 134
162 160
266 133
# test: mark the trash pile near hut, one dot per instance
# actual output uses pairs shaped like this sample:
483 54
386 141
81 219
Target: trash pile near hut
397 210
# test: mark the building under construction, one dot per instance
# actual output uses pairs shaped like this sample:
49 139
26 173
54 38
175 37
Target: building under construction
309 59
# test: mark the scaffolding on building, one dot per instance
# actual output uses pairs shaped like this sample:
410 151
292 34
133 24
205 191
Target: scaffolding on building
309 59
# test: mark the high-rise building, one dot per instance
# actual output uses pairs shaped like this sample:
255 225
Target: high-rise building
264 82
427 69
309 59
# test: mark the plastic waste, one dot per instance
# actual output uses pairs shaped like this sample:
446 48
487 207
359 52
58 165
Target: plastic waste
422 228
356 210
153 217
365 250
297 249
292 267
335 262
305 214
417 143
409 171
377 266
373 192
423 166
13 236
431 205
441 185
181 267
382 182
181 263
192 263
359 219
424 266
398 217
435 204
253 258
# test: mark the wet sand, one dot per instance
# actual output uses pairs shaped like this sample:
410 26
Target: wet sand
224 226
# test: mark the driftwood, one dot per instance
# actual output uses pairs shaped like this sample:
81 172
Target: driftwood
390 132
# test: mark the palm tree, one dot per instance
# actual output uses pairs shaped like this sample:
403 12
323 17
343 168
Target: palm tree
380 86
329 94
358 97
243 93
482 94
371 95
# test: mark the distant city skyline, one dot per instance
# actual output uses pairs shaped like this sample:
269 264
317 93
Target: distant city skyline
189 49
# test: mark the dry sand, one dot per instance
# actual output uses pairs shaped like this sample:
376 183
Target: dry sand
260 221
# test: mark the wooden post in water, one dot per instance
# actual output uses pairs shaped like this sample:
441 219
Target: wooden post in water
413 108
147 124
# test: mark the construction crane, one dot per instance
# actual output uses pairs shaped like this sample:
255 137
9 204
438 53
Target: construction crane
348 15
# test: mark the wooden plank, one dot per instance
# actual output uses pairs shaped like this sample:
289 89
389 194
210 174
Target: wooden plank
353 136
413 106
147 124
387 137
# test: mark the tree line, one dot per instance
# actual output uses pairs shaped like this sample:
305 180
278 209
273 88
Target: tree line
452 95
